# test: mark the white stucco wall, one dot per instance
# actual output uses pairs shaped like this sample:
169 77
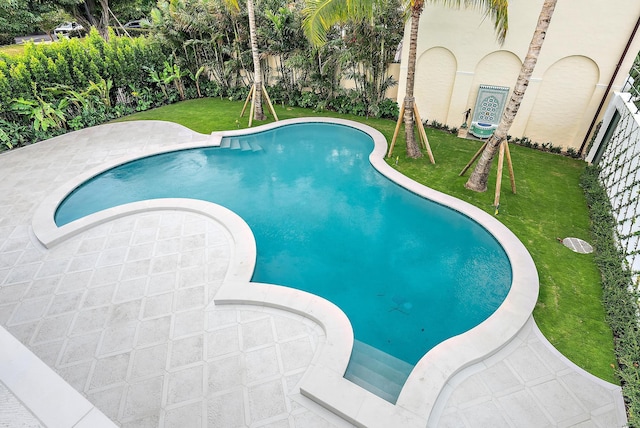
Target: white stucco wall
583 46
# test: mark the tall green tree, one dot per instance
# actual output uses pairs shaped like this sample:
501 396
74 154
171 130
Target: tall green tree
283 40
478 179
258 113
87 13
369 47
17 18
97 13
50 20
320 15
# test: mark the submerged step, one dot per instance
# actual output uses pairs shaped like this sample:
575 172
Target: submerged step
373 356
377 372
235 144
225 143
245 146
363 377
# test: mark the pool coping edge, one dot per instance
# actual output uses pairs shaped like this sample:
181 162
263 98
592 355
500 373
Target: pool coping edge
324 381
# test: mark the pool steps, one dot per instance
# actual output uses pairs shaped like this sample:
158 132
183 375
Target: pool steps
378 372
239 144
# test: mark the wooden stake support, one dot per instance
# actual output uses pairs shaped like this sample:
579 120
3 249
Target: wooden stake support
473 159
496 200
273 111
512 176
395 132
421 132
247 100
504 148
252 96
253 101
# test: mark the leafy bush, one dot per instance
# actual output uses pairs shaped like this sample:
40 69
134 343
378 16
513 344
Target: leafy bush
620 297
76 83
571 152
388 108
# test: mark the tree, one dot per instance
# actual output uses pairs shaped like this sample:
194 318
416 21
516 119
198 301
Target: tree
478 179
95 13
132 9
258 113
368 48
320 15
50 20
16 19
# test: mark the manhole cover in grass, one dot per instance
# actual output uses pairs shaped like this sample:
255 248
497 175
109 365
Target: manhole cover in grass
578 245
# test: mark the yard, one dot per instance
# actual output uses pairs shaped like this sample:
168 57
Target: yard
549 204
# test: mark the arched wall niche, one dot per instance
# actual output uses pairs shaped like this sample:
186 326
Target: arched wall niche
562 102
435 77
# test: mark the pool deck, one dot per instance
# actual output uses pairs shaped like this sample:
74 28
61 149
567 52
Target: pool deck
140 316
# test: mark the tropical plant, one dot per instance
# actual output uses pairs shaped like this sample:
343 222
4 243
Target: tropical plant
369 46
14 134
77 82
196 79
283 39
42 114
320 15
478 179
171 73
199 34
102 89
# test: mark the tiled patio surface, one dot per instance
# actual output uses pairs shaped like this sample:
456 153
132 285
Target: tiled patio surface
123 312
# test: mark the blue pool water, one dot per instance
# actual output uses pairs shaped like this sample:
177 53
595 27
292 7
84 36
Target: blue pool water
409 273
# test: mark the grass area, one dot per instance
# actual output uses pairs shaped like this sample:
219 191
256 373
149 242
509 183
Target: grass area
12 50
549 204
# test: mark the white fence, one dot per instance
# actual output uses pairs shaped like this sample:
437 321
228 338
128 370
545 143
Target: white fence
616 151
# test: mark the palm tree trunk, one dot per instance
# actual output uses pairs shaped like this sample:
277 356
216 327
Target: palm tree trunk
478 179
258 114
413 151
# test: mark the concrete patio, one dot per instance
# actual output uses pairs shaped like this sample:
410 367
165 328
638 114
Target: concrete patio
123 313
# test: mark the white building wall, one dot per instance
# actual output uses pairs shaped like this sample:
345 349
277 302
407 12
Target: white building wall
583 46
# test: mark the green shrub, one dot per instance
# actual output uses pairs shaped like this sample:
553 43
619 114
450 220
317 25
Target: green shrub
620 297
89 80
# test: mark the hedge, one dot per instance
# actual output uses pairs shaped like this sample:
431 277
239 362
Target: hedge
620 297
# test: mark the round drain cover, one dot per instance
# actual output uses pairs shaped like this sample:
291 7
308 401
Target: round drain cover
578 245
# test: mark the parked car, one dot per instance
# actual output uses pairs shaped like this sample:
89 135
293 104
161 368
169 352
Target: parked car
132 24
69 29
137 24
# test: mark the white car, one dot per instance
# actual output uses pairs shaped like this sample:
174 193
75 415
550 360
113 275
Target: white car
69 29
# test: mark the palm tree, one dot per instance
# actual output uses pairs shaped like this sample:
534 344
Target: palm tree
258 113
478 179
320 15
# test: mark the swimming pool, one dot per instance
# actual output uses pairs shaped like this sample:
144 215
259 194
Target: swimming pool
409 273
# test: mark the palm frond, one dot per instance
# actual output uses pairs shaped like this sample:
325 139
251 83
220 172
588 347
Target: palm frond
496 10
320 15
232 5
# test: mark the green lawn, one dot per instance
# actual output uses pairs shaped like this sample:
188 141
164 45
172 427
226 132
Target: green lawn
12 50
549 204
